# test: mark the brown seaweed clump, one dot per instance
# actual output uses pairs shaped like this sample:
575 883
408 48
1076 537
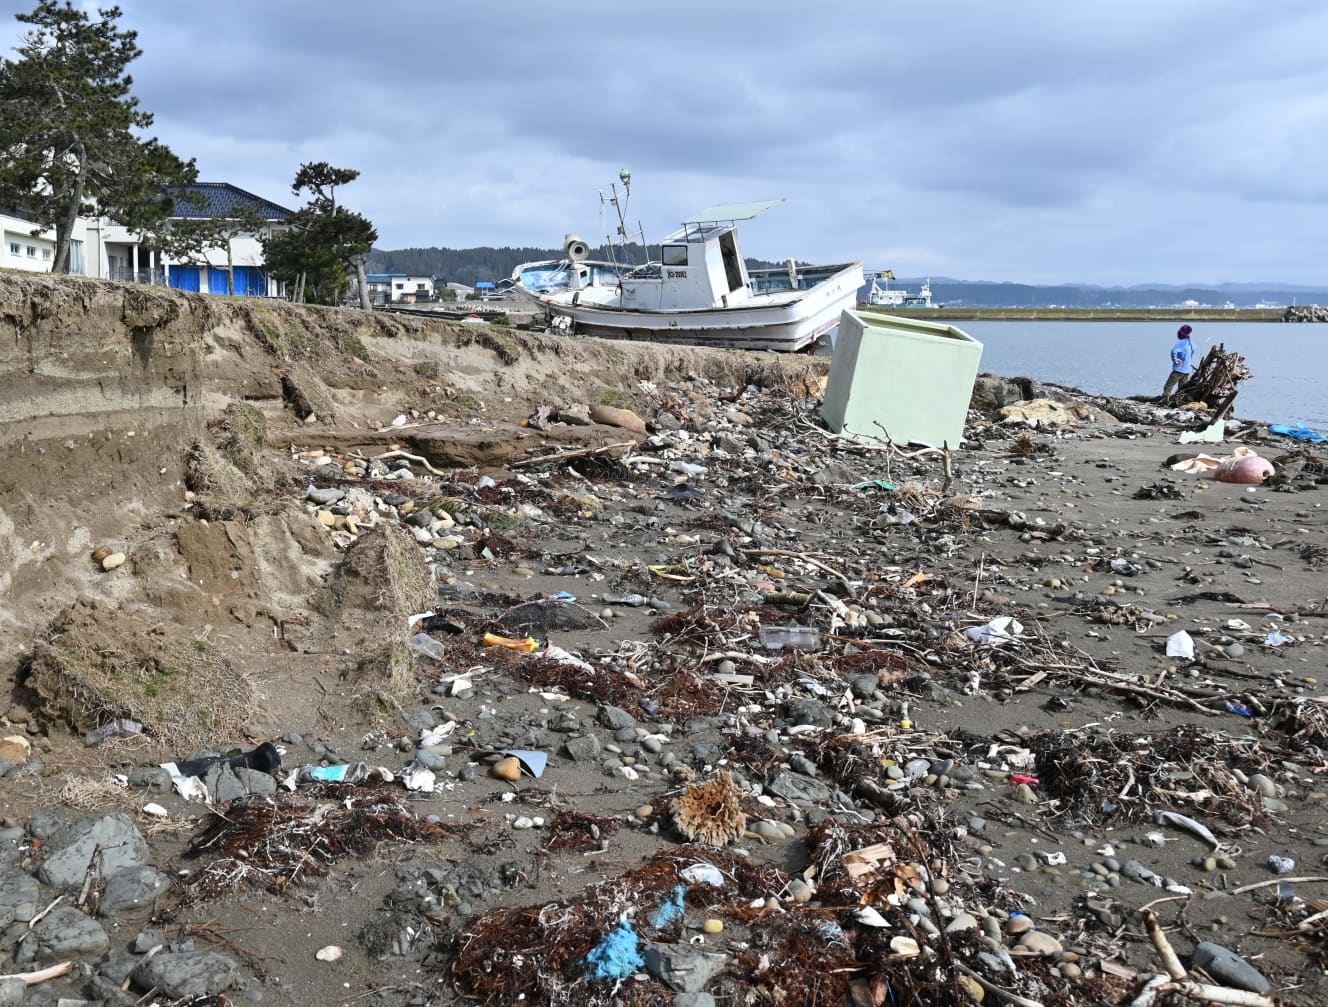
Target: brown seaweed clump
711 812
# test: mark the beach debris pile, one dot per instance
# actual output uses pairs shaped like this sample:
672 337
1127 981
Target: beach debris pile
742 711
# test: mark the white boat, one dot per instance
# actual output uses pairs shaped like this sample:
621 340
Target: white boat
885 296
700 291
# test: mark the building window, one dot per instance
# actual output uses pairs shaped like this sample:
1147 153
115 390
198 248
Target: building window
675 255
15 248
46 254
32 251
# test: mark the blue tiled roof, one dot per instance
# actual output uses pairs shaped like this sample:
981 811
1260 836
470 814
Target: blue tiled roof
225 200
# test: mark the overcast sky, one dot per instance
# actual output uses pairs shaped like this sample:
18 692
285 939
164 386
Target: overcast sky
1112 142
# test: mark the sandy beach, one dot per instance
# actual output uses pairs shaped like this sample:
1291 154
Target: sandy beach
968 779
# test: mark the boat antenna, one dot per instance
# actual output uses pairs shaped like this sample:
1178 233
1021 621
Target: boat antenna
619 204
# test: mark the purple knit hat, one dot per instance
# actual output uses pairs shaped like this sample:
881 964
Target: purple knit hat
1183 332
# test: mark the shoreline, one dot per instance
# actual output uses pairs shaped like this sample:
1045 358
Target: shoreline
1088 314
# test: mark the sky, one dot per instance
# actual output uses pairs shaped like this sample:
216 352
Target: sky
1118 142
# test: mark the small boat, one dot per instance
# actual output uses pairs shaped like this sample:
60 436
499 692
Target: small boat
701 291
896 297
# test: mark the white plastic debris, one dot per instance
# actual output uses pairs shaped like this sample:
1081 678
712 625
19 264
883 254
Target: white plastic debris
400 420
998 632
705 874
1053 858
416 777
155 810
328 954
435 735
870 917
1276 639
1180 644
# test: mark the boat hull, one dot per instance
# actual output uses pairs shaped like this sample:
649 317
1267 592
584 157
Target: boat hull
779 320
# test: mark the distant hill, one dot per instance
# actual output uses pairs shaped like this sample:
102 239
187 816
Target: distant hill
984 294
468 265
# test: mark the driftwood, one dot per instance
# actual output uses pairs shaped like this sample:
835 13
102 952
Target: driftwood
563 456
1177 979
41 975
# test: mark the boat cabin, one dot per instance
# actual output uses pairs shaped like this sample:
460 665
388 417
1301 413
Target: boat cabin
700 264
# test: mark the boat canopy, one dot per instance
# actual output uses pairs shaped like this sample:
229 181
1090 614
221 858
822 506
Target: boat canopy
728 213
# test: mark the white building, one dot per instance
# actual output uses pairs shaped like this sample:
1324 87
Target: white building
108 251
398 288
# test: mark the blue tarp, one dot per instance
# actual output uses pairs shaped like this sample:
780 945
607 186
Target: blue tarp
1300 432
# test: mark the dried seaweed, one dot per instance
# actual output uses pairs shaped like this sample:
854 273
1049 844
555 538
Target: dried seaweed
272 842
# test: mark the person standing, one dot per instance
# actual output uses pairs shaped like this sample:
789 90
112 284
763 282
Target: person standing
1182 361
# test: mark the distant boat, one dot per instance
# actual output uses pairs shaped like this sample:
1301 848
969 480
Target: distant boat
699 292
885 296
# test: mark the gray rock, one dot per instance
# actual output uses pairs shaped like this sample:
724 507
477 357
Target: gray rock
615 718
1228 967
325 496
915 769
583 749
224 784
18 899
430 760
152 778
685 969
45 824
255 781
185 974
802 764
147 940
801 711
64 933
694 1000
132 889
865 686
802 789
71 850
12 991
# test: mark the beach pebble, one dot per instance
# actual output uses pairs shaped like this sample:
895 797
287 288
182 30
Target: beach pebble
799 890
507 769
1039 942
1018 924
112 561
713 926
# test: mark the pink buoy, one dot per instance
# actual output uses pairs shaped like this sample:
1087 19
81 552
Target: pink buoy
1247 469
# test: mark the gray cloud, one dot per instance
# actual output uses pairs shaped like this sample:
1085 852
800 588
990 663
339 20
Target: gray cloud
1109 142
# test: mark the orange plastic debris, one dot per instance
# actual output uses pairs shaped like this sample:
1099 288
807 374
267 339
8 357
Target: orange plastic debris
529 644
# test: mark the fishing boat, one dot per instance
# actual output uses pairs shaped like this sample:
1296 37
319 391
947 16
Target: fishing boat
700 291
882 295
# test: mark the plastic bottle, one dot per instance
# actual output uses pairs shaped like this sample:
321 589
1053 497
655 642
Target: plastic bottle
792 637
122 728
426 646
334 774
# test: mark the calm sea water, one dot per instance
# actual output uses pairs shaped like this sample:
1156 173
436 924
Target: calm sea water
1289 363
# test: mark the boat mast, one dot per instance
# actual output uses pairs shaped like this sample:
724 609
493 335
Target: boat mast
619 205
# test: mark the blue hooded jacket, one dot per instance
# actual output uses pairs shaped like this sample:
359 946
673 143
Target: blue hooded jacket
1182 357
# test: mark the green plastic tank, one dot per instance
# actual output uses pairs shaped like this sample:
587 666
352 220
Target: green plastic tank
909 378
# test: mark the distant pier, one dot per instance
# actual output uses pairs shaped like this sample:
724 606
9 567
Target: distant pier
1088 314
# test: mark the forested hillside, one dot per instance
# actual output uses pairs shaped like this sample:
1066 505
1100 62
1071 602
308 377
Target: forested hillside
468 265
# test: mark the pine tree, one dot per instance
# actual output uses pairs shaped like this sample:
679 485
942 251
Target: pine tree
324 241
69 133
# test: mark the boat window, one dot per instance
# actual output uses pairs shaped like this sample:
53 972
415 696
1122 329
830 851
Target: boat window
675 255
732 267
